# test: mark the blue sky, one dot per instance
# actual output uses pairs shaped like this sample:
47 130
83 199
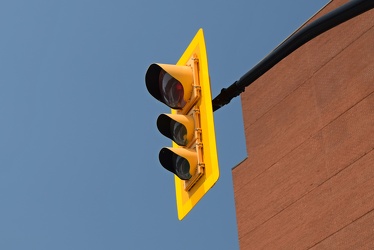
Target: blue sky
78 138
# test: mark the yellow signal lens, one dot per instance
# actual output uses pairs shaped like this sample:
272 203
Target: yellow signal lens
179 128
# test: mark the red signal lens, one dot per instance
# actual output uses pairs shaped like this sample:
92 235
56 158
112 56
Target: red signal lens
171 90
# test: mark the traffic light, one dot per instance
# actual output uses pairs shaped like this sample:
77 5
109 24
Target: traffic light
185 88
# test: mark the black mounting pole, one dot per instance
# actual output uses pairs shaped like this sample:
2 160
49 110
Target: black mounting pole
324 23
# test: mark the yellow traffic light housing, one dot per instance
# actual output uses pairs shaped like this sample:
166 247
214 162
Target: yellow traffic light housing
185 88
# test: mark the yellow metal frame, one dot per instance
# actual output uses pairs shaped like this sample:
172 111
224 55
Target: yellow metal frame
189 193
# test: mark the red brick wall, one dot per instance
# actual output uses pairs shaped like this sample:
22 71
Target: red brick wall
308 181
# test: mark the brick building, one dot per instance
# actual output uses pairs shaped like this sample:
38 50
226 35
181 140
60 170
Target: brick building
308 181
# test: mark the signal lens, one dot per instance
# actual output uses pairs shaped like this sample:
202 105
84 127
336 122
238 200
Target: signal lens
171 90
179 133
182 167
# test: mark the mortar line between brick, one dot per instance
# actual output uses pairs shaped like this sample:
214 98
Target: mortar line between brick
323 126
347 110
301 197
358 218
311 76
311 136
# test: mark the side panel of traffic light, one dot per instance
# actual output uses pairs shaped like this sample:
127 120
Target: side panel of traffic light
187 199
